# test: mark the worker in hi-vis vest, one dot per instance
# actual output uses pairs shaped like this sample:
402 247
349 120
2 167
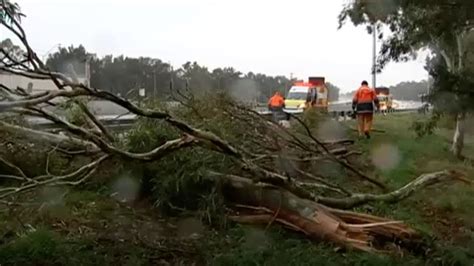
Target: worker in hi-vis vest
364 103
276 104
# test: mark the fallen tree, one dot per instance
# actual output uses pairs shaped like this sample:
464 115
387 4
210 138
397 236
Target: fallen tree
292 193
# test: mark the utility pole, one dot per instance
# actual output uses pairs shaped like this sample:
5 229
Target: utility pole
171 77
288 86
87 71
374 56
428 83
154 83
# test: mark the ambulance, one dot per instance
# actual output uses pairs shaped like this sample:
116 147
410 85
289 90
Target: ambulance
303 95
385 98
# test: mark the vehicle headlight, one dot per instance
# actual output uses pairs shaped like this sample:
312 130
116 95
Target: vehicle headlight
301 105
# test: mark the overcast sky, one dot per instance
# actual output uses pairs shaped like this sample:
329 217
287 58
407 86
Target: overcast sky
267 36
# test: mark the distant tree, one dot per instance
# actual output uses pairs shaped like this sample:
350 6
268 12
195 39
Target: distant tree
198 78
70 60
409 90
124 75
440 25
405 90
9 49
333 92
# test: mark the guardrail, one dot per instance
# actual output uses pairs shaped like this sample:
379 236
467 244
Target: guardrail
122 122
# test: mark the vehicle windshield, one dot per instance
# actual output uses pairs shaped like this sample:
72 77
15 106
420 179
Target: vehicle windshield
382 98
297 96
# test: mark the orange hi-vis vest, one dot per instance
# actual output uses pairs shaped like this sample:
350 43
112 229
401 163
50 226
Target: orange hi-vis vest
276 101
364 100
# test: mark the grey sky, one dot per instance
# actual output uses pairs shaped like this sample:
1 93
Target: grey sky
271 37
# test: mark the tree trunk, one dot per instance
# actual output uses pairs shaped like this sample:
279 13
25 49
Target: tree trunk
346 229
458 139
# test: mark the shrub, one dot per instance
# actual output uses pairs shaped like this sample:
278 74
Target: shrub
426 126
178 181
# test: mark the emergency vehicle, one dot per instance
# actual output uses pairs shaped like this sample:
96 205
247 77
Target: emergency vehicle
385 98
303 95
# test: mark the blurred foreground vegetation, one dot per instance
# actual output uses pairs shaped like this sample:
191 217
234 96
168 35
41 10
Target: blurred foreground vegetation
167 213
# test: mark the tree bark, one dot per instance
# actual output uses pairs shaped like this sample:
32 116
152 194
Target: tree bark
63 142
310 218
458 138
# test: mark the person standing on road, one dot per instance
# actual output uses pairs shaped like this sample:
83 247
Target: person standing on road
363 105
276 104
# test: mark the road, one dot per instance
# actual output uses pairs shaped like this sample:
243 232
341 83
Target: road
114 116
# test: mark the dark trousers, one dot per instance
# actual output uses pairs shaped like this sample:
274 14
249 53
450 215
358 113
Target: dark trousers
277 113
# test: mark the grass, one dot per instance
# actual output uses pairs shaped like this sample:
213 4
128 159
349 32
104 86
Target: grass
435 209
91 229
257 246
88 227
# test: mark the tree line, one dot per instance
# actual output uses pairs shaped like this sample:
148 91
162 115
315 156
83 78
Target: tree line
405 91
124 75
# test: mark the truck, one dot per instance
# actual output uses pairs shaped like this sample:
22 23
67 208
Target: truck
303 95
385 98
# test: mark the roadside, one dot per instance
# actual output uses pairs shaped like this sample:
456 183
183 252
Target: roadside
89 227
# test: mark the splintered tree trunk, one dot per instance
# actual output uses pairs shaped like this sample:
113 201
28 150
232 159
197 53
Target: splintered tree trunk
458 139
346 229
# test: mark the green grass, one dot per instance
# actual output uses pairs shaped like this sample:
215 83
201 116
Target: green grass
241 245
257 246
46 247
417 156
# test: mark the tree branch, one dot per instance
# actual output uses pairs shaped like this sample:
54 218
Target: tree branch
404 192
335 159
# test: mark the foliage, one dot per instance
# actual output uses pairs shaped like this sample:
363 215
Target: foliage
178 181
124 75
445 27
312 118
333 92
148 133
406 90
70 60
413 24
13 51
44 247
424 127
409 91
74 114
9 11
452 91
37 246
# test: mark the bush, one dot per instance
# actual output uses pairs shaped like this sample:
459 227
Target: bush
74 114
35 248
178 181
426 127
44 247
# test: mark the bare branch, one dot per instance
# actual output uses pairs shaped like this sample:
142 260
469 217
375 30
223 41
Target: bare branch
95 121
421 182
14 167
335 159
64 142
41 98
83 173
